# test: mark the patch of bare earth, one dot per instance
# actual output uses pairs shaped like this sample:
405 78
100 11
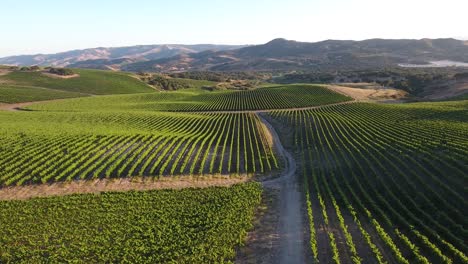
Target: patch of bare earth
264 238
18 106
48 74
14 107
4 72
290 228
369 92
117 185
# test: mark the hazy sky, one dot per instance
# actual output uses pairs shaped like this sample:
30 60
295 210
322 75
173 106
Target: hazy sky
49 26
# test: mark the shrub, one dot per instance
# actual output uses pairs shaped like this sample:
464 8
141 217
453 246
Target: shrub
61 71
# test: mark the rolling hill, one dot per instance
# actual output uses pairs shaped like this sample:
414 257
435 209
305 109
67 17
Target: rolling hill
109 58
287 55
276 55
24 86
374 183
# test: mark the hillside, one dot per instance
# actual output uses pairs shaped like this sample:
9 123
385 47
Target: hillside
88 81
23 86
276 55
199 100
357 180
17 94
420 83
286 55
109 58
370 177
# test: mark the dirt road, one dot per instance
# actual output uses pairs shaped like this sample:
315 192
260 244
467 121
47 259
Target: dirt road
291 225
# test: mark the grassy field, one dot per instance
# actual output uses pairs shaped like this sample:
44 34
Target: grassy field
185 226
17 94
93 82
196 100
384 183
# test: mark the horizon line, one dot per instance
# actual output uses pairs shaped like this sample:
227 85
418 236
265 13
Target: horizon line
220 44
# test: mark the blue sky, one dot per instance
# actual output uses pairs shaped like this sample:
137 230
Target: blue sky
49 26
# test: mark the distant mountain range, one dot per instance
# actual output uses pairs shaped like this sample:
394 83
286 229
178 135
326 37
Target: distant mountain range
105 58
276 55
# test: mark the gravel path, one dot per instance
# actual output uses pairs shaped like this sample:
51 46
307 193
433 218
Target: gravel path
291 225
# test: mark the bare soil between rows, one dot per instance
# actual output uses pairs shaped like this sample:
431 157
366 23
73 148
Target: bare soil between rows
281 233
19 106
117 185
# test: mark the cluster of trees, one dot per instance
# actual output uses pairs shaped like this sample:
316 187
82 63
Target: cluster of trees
234 85
61 71
25 68
411 80
163 82
58 71
221 76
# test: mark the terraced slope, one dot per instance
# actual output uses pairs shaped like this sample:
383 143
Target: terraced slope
384 183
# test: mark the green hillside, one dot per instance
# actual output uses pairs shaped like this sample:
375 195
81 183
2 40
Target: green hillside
279 97
381 183
388 175
18 94
65 146
95 82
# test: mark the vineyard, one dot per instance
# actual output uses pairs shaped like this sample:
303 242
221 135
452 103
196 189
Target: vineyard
383 183
196 100
185 226
122 136
17 94
49 147
88 81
